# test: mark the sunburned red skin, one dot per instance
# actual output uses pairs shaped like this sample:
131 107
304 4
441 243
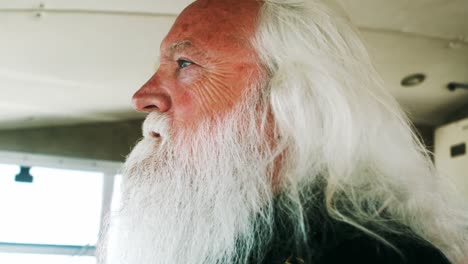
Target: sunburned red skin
206 64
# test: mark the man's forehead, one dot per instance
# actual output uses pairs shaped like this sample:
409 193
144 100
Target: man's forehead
222 13
212 23
226 4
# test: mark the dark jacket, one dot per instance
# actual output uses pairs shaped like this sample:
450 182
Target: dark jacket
331 241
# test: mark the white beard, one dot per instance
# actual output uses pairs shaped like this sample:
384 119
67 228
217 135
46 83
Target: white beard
203 197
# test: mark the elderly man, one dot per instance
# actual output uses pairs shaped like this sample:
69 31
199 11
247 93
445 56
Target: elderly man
270 139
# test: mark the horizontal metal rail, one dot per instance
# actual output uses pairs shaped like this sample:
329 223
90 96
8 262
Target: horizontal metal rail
86 250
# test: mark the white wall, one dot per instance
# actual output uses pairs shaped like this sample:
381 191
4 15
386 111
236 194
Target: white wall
449 138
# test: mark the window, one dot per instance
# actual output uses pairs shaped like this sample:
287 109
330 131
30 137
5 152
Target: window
57 217
60 207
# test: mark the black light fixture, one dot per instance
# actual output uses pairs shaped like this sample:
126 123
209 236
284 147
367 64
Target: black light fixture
452 86
413 79
24 175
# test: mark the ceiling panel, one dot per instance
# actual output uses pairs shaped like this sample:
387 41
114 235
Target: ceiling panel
105 6
77 64
435 18
398 55
417 36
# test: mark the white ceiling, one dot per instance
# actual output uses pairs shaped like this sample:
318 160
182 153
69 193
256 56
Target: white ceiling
67 63
412 36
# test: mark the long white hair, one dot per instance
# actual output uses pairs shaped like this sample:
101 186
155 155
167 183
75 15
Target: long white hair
338 123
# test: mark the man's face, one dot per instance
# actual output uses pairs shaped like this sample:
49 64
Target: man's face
188 197
206 63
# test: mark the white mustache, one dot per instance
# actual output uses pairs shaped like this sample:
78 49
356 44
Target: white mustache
156 125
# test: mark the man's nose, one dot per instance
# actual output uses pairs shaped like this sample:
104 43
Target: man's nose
151 98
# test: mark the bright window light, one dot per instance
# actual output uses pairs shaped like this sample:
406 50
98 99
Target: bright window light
13 258
60 207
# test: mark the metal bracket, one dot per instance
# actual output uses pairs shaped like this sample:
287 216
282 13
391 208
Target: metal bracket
452 86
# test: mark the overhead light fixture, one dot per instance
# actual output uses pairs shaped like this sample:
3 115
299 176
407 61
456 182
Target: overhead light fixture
24 175
413 80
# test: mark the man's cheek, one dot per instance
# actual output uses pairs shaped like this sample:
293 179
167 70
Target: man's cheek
206 93
188 106
188 76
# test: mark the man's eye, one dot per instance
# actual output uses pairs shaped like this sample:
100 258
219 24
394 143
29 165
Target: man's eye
184 63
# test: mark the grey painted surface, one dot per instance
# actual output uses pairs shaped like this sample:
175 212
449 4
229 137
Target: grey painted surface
103 141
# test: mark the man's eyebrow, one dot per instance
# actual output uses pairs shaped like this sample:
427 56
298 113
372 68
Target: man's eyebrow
178 46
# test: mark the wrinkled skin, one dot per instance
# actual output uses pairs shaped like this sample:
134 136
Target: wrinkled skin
207 63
